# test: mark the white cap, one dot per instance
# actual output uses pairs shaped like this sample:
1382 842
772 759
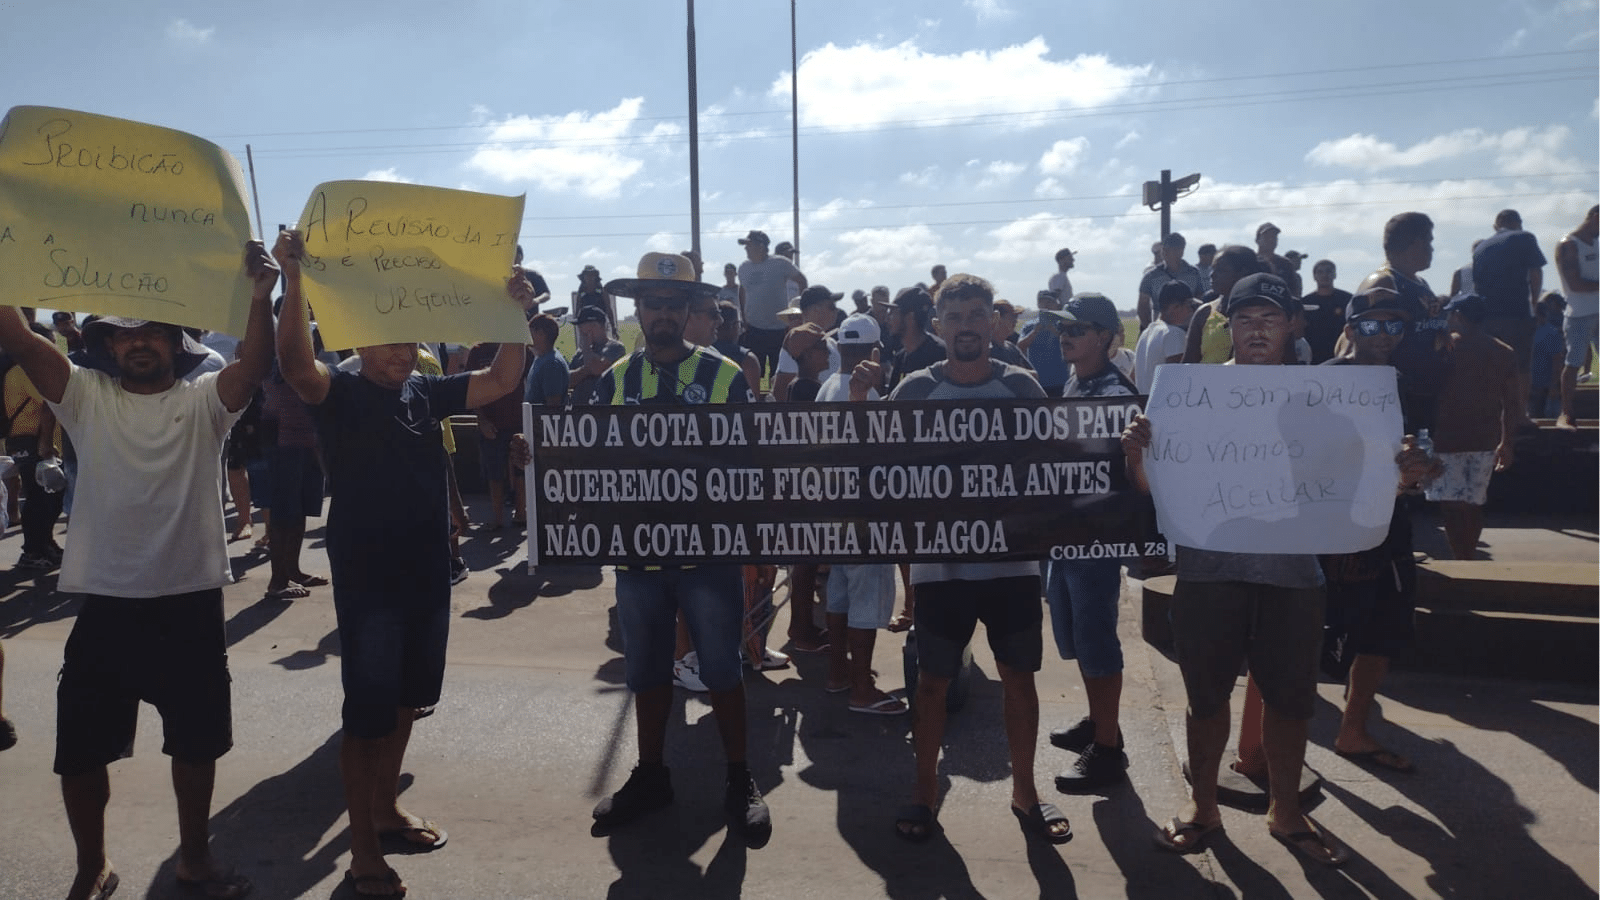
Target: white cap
858 328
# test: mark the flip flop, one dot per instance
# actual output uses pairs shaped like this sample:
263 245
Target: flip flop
229 885
106 887
1317 846
888 706
1038 819
1167 837
386 885
292 592
423 837
915 823
1381 758
310 581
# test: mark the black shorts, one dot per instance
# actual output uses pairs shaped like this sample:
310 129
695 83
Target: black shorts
1218 626
296 484
170 652
948 612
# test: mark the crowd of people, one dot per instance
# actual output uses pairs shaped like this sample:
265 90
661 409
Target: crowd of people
145 423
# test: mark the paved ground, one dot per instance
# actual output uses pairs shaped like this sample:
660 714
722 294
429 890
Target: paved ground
535 727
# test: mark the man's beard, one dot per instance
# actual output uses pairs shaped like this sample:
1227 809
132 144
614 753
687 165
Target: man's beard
968 355
663 337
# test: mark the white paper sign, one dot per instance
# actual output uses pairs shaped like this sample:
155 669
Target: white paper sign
1274 459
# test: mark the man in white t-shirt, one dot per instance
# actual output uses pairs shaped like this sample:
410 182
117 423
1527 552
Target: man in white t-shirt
148 552
1164 340
1059 283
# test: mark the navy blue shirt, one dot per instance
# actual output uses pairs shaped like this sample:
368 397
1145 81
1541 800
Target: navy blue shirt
1500 268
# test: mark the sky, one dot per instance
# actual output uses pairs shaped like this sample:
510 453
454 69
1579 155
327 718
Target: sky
981 134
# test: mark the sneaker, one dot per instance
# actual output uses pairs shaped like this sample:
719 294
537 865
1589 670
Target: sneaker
686 673
1078 738
747 811
458 570
649 788
39 562
770 659
1096 767
8 734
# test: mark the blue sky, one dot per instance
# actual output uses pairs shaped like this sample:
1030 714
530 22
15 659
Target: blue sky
983 134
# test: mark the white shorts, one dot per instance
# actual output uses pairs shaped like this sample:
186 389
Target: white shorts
1465 478
864 592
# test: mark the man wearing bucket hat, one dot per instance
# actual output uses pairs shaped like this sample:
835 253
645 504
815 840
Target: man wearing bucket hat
148 552
670 370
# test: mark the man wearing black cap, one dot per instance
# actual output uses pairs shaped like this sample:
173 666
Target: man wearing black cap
1173 267
1203 258
671 371
764 292
816 306
148 551
1265 608
911 325
597 351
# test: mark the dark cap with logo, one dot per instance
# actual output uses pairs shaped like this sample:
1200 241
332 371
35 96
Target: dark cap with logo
1262 287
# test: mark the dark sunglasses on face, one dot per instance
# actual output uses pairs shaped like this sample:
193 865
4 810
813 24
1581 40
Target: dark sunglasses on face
1370 327
658 303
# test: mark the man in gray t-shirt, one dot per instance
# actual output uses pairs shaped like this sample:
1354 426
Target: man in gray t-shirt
951 598
763 291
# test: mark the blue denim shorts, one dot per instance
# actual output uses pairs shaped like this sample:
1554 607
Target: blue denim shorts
863 593
392 651
711 599
1083 597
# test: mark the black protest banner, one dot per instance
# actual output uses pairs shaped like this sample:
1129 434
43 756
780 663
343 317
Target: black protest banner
835 482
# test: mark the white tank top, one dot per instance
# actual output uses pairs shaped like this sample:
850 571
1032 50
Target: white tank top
1584 303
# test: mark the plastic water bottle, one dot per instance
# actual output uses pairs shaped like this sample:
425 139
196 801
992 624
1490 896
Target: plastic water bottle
50 476
1425 442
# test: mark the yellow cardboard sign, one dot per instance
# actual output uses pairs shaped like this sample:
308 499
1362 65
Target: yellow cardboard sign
111 216
388 263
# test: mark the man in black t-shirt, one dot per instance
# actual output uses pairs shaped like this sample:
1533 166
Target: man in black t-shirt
1324 311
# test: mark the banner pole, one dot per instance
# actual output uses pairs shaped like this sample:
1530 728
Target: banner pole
254 194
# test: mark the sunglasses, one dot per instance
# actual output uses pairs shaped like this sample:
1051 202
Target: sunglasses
1075 329
1370 327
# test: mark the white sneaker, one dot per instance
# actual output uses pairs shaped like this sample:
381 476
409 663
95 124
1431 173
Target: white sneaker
686 673
770 659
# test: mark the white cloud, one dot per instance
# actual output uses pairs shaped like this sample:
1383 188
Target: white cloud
580 152
924 177
867 85
182 32
1000 172
1063 156
870 252
1519 151
1127 139
389 174
989 9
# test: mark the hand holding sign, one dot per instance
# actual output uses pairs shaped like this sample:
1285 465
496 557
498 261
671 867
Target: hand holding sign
391 263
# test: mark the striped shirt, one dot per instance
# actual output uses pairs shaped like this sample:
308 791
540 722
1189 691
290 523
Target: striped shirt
704 376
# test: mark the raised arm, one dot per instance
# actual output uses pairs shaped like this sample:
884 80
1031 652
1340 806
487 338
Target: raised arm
308 377
38 357
237 382
504 374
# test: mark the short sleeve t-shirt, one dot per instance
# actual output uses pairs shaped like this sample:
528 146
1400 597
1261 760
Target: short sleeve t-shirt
930 351
836 389
766 290
1159 343
1044 354
147 514
1005 382
547 377
386 476
1325 322
1500 268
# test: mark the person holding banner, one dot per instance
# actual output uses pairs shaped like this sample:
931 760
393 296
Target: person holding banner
670 371
1262 607
952 597
387 534
151 626
1083 594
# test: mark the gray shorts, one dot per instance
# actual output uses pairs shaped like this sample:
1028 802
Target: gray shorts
1218 626
864 593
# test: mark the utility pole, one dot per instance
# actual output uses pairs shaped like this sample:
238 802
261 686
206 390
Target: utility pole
694 146
794 124
1162 194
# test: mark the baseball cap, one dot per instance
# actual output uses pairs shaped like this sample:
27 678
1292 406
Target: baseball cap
1262 287
1294 256
756 237
814 295
1091 308
658 270
591 314
1471 306
1173 292
783 248
913 298
1266 227
858 329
